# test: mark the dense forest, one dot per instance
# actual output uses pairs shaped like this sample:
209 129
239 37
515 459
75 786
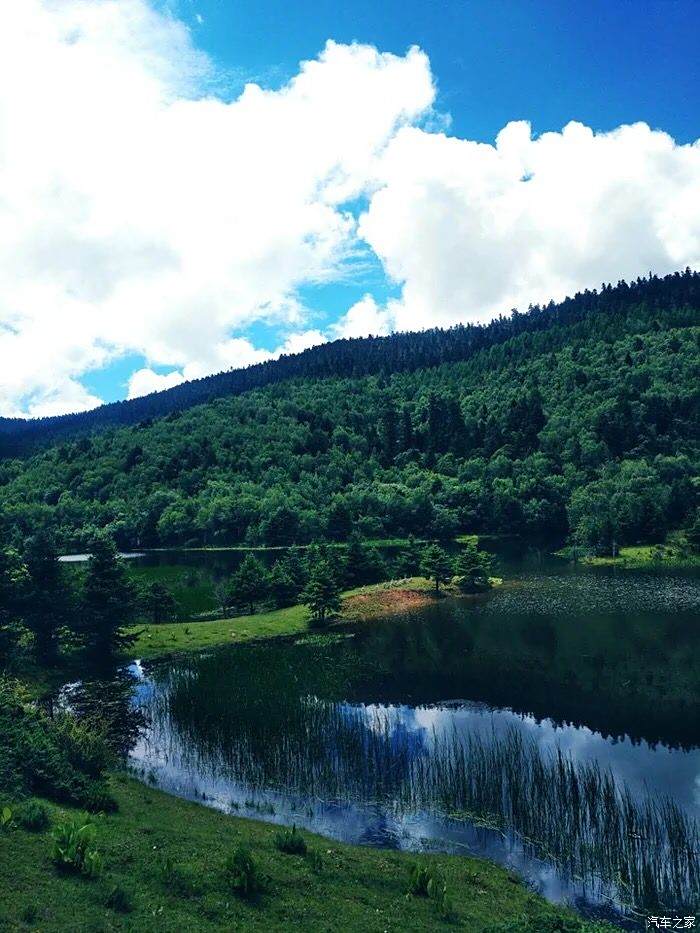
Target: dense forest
399 352
581 420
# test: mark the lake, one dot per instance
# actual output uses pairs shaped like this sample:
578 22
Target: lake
552 725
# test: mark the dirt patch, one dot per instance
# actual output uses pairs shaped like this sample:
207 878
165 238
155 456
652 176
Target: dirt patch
364 606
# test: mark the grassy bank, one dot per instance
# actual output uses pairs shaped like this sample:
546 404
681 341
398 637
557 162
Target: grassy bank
167 857
361 604
673 555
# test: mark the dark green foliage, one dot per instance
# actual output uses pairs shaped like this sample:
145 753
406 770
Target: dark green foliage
693 532
243 874
248 585
158 602
509 433
48 604
119 900
14 581
612 307
34 816
473 569
322 591
74 850
427 880
55 757
291 842
180 880
437 565
108 602
363 563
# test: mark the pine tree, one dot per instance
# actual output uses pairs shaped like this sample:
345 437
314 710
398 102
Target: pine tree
14 580
48 604
363 563
249 584
411 558
283 588
108 601
473 568
437 565
322 593
159 602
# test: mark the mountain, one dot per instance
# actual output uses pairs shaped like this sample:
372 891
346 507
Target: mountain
400 352
581 418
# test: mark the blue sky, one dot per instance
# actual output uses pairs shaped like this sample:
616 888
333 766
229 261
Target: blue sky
143 264
603 62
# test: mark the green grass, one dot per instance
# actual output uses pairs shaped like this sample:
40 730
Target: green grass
156 640
641 556
176 637
166 858
173 637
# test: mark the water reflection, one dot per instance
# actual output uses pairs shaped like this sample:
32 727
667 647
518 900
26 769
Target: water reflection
552 726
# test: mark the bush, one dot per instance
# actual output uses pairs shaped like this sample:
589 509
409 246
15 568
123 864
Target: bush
291 842
180 879
119 900
6 819
34 816
73 849
428 881
58 757
243 874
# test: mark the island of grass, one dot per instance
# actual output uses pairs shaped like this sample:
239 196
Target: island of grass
673 554
166 866
362 604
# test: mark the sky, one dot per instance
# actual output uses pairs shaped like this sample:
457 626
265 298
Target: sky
194 185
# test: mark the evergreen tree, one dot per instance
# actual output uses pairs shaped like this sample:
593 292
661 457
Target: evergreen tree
473 569
249 584
159 602
49 603
363 562
410 559
436 565
108 601
284 589
321 593
14 580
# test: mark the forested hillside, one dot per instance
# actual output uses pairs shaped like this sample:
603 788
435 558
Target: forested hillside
400 352
590 428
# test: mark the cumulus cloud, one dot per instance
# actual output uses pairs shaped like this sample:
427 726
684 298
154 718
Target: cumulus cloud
234 354
472 230
141 212
363 318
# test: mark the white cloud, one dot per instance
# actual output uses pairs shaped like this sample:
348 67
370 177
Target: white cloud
141 213
471 230
144 381
363 318
231 354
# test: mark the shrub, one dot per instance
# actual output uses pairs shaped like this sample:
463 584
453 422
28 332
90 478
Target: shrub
6 819
34 816
58 757
119 900
180 879
73 849
428 881
243 874
291 842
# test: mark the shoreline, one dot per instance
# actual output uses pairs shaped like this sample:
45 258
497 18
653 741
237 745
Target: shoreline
363 604
168 855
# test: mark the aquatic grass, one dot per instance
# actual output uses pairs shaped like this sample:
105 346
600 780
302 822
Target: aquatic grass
645 851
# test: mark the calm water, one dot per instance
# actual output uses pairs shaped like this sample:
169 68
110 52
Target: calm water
552 726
